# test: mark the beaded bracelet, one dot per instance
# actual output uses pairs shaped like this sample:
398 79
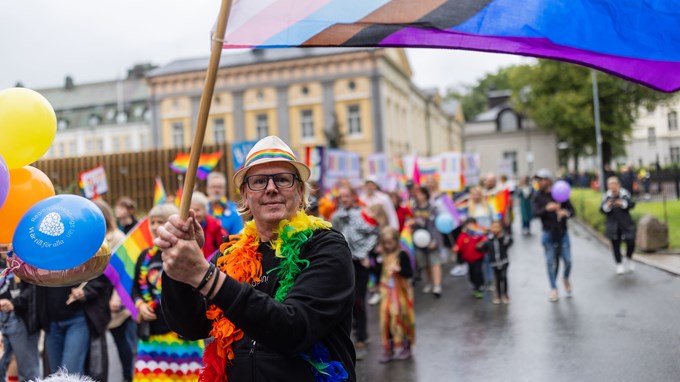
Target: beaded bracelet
208 274
212 287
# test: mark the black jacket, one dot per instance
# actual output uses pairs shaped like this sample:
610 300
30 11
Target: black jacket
25 303
619 223
98 292
497 248
317 308
549 218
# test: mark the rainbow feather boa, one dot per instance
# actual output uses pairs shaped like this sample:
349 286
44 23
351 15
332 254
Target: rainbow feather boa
243 263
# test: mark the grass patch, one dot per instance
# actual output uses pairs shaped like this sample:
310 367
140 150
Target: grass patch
587 205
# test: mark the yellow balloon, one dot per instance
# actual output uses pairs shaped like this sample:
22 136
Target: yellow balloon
28 125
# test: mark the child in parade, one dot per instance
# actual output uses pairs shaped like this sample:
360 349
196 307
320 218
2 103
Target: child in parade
397 319
161 354
497 246
470 245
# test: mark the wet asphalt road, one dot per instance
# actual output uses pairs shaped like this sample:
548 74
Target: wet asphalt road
614 328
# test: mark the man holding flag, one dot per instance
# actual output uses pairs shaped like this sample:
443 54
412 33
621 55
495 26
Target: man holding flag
278 301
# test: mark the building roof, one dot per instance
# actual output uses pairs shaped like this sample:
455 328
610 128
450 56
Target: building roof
253 56
96 94
491 114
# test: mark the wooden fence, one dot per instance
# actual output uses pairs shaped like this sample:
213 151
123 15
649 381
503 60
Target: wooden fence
130 174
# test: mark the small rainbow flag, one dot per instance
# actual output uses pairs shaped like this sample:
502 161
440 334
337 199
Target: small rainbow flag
121 268
178 196
181 163
500 202
159 195
475 229
406 243
206 163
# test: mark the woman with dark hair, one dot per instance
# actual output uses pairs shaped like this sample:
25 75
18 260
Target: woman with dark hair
427 254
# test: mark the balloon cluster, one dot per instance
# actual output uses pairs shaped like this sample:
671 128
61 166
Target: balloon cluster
57 240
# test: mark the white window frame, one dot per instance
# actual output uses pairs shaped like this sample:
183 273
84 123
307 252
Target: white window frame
261 125
177 134
307 124
354 128
219 131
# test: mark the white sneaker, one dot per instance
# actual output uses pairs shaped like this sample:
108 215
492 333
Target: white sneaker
459 270
630 265
427 288
374 299
619 269
437 290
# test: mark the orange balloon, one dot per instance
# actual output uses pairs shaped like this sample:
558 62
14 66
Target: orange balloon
27 186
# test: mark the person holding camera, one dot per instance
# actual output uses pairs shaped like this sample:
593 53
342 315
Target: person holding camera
619 226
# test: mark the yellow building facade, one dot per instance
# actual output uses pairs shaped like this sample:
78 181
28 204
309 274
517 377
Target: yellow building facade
304 96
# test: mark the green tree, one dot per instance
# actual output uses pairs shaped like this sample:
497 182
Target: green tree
474 99
558 96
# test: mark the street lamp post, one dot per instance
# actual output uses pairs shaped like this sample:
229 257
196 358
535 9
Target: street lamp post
598 134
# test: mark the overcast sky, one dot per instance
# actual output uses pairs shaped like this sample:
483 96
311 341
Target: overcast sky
42 41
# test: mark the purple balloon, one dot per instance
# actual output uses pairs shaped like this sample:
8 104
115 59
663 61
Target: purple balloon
4 181
560 191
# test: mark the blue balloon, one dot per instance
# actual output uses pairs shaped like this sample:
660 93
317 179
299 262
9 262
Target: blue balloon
60 232
445 223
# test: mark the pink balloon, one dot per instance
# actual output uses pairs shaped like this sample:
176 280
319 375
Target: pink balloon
560 191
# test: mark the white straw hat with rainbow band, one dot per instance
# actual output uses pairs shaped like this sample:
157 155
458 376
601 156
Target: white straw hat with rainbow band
270 149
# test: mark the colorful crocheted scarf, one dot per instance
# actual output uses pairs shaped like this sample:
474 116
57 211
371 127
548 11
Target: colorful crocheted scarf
243 263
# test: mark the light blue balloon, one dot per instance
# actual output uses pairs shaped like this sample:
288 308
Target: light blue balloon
60 232
445 223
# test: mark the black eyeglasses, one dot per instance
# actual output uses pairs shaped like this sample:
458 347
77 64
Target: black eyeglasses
281 181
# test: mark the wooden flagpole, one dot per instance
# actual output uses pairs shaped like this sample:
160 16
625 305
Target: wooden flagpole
204 108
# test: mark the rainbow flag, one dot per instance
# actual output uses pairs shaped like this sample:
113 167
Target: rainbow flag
206 163
178 196
159 195
406 243
500 203
181 163
475 229
121 268
633 39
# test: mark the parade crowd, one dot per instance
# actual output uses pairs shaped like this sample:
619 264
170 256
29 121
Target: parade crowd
302 289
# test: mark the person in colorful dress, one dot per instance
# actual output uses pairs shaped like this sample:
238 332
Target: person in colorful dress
397 318
279 301
161 354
